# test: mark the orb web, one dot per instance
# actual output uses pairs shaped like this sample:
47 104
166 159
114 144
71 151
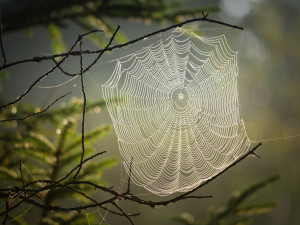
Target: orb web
175 110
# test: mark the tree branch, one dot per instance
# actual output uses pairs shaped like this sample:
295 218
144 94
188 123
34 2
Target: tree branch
77 53
37 113
1 43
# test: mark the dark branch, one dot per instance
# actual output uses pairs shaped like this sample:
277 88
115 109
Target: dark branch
22 178
83 111
62 70
39 79
83 89
84 161
52 185
217 175
117 195
37 113
1 44
123 213
76 53
7 210
129 177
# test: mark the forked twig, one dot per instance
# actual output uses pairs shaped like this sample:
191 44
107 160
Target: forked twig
76 53
37 113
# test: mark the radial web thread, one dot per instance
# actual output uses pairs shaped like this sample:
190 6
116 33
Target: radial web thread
174 106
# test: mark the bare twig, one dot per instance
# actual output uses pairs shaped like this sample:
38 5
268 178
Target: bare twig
123 212
129 177
22 178
82 71
76 167
76 53
52 185
37 113
7 210
132 198
205 15
83 111
103 51
39 79
62 70
1 44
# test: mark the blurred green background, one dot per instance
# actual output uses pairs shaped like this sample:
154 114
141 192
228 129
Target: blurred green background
269 82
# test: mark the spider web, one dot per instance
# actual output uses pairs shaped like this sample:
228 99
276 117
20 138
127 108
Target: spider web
175 110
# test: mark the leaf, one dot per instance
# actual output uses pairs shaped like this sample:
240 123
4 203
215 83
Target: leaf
120 37
184 218
96 168
16 221
42 141
91 23
242 196
95 134
256 209
240 221
72 157
57 43
35 153
68 126
3 75
48 221
7 174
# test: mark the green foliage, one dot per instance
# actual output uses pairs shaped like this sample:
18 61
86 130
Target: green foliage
57 43
3 75
49 145
234 212
93 14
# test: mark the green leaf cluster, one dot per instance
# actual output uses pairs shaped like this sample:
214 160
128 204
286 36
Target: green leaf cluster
236 211
49 145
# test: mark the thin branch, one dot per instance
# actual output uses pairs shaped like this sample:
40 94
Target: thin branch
84 161
66 209
217 175
173 200
38 80
7 210
37 113
65 56
22 178
255 155
48 186
62 70
83 111
129 177
83 90
1 44
132 198
205 15
103 51
123 212
76 53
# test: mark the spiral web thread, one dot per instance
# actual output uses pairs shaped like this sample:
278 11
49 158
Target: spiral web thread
177 114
